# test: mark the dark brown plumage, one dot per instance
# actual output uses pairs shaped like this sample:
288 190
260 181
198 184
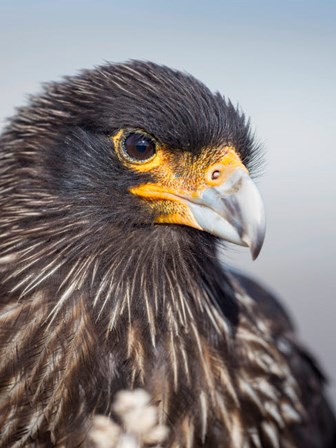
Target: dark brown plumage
96 296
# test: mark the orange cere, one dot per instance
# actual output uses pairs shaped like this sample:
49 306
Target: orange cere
180 176
184 174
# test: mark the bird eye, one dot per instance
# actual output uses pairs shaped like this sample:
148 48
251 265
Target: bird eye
139 147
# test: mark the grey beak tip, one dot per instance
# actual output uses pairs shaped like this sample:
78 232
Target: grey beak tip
255 248
255 252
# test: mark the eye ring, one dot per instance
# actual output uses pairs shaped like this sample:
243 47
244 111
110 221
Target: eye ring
138 147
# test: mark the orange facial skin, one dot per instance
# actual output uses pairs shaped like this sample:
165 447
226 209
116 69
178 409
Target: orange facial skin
178 176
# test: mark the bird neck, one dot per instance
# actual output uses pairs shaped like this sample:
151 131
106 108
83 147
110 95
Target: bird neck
163 278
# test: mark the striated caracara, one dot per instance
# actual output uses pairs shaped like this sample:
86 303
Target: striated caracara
116 186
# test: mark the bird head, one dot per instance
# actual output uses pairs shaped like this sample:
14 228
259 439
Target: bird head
139 144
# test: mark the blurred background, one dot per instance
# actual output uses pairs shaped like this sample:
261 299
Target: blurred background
276 59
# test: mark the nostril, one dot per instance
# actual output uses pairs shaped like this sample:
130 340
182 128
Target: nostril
215 174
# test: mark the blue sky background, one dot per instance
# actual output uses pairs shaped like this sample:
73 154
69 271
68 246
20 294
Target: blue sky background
275 58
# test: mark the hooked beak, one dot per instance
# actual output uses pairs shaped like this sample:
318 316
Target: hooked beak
232 210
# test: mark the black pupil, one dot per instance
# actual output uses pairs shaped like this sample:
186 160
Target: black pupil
139 147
